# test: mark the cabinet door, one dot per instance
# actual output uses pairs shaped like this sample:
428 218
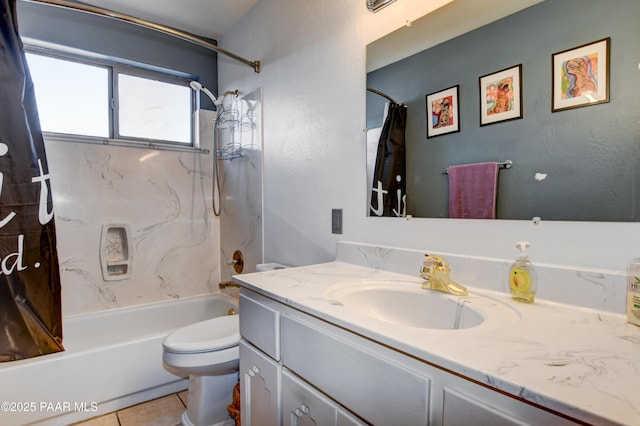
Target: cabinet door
471 404
460 409
304 406
260 388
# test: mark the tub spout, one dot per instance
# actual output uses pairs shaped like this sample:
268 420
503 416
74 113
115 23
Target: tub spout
226 284
437 276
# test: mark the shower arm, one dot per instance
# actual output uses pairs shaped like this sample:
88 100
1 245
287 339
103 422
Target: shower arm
198 87
148 24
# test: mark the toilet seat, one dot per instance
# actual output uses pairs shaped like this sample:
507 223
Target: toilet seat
208 354
207 336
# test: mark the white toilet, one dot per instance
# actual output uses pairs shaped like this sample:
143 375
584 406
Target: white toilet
208 353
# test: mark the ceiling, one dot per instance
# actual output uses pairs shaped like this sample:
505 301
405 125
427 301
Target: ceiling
449 21
208 18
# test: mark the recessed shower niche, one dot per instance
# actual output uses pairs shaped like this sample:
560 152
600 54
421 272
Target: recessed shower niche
116 252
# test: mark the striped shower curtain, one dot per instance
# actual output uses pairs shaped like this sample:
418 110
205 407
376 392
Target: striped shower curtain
30 308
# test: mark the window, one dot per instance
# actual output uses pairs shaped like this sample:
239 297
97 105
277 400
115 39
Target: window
96 99
154 109
72 97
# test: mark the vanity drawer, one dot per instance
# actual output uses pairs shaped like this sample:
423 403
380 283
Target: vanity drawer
260 323
342 365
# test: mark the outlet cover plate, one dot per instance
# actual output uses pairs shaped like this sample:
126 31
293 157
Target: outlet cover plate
336 221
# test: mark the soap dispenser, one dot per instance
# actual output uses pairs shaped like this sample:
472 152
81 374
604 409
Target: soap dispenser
633 292
522 276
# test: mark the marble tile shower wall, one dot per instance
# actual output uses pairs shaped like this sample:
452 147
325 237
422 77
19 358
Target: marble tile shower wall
241 181
165 199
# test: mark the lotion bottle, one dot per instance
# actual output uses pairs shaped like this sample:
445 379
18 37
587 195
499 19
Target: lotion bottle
523 281
633 292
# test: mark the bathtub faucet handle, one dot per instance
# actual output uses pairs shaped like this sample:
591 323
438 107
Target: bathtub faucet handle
237 261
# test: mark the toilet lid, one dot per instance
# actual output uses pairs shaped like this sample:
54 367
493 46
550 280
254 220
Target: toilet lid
214 334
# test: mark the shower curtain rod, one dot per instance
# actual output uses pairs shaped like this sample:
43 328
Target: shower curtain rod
148 24
384 95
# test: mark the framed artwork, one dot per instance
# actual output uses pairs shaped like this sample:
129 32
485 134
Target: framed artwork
580 76
443 112
501 96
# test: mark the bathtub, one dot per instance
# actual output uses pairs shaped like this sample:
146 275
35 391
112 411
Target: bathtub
112 359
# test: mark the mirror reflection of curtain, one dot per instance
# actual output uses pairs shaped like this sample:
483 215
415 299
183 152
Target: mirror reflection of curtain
30 303
388 196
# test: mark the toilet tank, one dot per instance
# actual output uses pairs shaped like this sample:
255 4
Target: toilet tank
262 267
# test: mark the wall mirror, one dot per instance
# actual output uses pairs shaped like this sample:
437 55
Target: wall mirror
580 163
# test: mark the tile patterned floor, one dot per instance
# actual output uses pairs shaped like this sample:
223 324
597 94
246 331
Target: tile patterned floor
165 411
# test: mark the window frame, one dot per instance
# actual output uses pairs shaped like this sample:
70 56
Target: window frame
114 69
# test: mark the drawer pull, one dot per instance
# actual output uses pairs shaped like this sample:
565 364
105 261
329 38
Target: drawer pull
255 369
304 409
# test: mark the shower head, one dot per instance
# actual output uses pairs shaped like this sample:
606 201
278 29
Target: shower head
198 87
195 85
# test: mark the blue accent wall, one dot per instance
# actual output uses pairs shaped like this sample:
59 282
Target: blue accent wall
591 155
121 41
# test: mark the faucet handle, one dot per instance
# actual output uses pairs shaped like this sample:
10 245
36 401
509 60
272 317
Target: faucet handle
436 263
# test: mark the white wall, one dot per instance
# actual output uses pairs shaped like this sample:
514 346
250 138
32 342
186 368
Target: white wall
313 77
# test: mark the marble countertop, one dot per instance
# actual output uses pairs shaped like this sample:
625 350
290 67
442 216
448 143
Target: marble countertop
582 362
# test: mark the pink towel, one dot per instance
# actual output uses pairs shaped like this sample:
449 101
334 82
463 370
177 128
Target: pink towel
472 190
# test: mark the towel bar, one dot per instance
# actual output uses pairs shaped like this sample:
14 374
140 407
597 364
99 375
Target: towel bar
503 165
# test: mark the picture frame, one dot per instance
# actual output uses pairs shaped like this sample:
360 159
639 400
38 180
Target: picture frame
501 95
443 112
580 76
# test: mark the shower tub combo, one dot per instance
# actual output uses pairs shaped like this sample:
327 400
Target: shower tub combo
112 359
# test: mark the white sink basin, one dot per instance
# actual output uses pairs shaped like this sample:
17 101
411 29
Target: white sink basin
405 303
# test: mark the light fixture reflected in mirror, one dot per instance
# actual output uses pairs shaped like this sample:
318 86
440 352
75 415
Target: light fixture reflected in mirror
376 5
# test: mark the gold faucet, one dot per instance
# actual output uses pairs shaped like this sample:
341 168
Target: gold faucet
437 276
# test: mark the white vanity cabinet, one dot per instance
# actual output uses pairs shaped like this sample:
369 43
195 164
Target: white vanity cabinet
260 387
365 378
260 369
304 405
317 373
462 402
